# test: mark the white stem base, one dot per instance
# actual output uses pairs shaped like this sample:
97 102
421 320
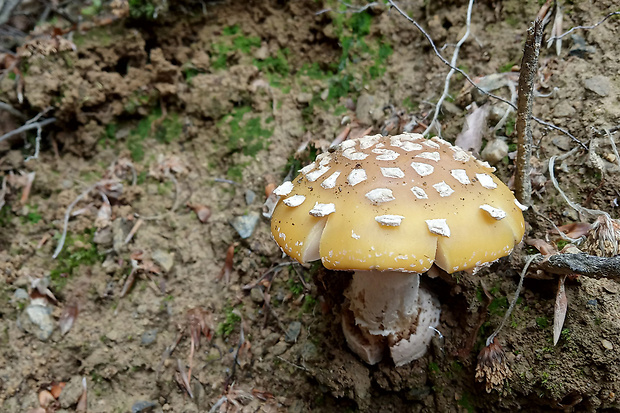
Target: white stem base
383 301
389 305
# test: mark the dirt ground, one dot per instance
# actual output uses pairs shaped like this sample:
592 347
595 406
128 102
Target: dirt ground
171 122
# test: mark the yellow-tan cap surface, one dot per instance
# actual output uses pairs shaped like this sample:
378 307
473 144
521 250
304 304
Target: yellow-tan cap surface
397 203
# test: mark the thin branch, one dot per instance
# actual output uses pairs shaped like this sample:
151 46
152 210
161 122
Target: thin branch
581 263
352 8
37 145
529 261
615 13
12 110
473 83
27 127
525 101
446 88
61 242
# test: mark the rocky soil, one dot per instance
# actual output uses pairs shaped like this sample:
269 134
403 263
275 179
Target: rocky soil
171 122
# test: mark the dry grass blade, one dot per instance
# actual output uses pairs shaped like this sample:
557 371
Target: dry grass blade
68 317
82 404
559 313
183 379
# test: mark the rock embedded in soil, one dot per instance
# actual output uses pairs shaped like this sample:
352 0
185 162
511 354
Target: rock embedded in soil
293 331
148 337
164 259
601 85
143 406
245 224
37 319
71 393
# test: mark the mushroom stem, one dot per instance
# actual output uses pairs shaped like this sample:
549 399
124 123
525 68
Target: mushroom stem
392 305
384 302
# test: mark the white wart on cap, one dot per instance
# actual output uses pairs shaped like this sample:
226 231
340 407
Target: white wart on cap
410 202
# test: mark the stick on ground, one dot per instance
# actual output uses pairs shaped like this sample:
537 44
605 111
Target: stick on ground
525 100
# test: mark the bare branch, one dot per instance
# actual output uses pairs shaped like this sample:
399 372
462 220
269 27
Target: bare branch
525 101
581 263
12 110
615 13
471 81
446 87
27 127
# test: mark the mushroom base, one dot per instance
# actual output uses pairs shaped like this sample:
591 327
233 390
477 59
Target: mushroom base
389 310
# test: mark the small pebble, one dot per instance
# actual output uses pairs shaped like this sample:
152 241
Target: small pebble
142 406
279 348
71 393
250 196
164 259
495 151
148 337
256 296
37 320
607 344
293 332
245 224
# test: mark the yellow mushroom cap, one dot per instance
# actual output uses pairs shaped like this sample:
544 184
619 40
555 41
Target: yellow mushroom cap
397 203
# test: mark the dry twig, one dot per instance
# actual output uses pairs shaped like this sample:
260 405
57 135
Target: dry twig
525 100
472 82
446 88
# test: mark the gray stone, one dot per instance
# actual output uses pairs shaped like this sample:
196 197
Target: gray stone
309 352
607 344
271 339
149 337
293 332
279 348
71 393
601 85
562 142
104 237
369 108
304 97
142 406
245 224
495 151
250 196
580 48
164 259
257 296
564 109
20 294
37 319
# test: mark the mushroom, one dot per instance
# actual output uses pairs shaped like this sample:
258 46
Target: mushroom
388 208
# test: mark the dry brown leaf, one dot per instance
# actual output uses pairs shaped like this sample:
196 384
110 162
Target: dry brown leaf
475 126
82 404
262 394
68 317
228 264
57 388
203 212
574 230
183 379
559 313
542 246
